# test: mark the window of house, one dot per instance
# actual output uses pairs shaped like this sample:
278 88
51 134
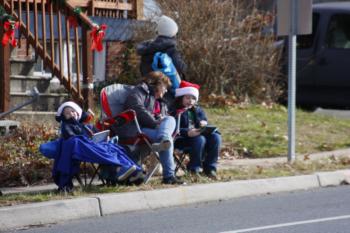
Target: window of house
338 32
306 41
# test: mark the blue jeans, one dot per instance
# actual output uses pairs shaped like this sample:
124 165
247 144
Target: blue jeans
204 149
164 132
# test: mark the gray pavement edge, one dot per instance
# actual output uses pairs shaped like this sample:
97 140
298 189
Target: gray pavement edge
64 210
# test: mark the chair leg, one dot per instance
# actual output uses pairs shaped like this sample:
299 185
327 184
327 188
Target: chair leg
85 174
155 167
150 174
95 173
79 180
179 163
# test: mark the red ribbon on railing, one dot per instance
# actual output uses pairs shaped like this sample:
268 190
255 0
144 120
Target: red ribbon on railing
97 35
9 35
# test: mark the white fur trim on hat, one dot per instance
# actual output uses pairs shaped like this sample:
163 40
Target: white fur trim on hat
187 91
166 26
71 104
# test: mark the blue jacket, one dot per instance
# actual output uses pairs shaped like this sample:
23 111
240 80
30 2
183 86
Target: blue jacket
184 120
163 44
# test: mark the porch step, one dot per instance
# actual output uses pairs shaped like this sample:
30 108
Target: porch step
23 83
46 101
7 126
22 66
47 118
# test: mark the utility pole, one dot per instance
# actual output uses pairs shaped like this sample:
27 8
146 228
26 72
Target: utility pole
294 17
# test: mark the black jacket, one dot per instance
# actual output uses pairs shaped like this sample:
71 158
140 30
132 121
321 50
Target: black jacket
163 44
71 127
184 120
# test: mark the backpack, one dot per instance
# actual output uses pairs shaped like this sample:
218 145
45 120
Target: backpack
162 62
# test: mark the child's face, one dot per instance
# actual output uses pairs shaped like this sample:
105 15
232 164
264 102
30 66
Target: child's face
69 112
188 101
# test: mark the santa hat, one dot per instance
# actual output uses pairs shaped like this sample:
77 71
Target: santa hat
187 88
71 104
166 26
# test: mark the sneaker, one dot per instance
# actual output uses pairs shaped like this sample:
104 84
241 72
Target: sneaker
65 190
123 172
195 173
137 178
173 180
211 174
161 146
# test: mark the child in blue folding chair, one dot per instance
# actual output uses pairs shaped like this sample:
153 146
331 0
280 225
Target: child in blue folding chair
204 141
75 146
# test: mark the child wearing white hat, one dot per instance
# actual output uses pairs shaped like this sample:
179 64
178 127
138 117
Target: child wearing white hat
72 119
204 144
165 42
78 147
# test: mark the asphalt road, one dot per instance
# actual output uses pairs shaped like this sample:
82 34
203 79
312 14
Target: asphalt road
321 210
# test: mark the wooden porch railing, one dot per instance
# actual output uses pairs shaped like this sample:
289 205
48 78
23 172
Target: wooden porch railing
32 14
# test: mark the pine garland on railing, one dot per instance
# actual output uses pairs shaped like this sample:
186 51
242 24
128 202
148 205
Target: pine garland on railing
74 20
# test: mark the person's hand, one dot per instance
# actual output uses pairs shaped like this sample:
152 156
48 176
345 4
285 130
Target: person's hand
193 132
159 119
91 112
203 123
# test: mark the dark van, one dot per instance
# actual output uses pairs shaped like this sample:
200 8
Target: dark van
323 58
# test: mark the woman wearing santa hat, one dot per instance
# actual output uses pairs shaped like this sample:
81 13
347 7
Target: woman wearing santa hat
204 147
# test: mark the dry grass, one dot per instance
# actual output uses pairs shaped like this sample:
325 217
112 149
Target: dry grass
242 173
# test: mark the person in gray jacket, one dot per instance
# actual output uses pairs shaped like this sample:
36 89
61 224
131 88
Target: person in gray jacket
152 114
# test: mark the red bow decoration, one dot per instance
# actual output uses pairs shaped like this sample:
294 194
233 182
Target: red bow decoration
97 35
73 22
9 35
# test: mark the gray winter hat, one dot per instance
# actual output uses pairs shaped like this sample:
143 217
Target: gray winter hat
166 26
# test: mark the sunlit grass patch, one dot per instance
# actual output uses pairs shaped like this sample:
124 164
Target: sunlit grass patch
260 131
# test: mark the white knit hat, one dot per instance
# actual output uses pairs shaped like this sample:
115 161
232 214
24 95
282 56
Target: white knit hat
187 91
71 104
166 26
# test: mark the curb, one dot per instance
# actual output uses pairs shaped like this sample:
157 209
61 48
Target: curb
48 212
123 202
100 205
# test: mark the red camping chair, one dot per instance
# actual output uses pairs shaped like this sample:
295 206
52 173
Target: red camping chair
113 117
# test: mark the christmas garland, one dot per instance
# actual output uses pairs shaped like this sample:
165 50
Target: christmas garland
9 25
72 19
97 34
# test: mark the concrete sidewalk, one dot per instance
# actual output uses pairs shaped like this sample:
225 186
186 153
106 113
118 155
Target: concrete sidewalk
104 204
